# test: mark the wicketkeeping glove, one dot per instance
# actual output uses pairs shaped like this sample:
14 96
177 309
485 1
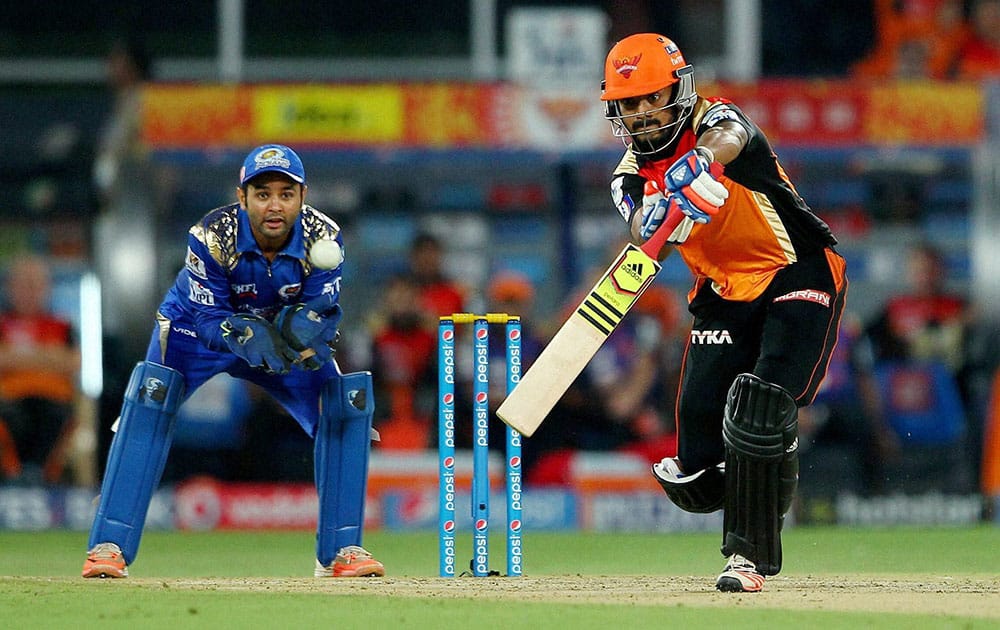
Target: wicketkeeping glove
254 339
655 208
691 180
303 327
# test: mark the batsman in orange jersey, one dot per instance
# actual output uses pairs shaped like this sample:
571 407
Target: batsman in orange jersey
769 289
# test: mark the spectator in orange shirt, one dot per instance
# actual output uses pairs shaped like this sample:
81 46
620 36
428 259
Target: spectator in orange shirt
980 57
916 39
39 364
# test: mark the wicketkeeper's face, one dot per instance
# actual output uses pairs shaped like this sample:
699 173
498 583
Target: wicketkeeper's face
273 203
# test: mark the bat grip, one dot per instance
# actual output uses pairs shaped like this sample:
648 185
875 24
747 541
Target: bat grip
655 243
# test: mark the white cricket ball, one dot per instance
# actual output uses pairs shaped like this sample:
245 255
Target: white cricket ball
326 254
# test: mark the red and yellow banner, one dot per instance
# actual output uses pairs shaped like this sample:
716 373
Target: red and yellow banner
452 115
908 113
194 116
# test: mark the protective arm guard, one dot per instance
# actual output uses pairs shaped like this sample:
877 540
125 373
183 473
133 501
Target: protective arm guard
760 430
701 492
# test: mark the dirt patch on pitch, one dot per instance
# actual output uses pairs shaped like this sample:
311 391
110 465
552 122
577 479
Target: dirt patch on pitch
965 596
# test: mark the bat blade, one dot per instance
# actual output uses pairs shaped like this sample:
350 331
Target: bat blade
581 336
551 375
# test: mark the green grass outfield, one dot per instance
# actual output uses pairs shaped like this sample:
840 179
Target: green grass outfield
260 580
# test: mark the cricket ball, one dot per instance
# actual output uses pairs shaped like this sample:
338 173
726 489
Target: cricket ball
326 254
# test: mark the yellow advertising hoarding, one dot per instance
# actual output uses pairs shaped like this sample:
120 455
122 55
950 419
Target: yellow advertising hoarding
342 114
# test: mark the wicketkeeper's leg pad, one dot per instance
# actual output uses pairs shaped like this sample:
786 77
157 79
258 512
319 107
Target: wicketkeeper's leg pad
343 443
760 430
137 456
701 492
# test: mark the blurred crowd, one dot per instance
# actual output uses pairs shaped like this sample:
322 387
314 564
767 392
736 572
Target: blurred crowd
907 404
937 39
907 392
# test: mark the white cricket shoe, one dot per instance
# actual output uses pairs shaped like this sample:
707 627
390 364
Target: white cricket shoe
740 576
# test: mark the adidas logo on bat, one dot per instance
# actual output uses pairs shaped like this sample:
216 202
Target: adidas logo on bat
634 268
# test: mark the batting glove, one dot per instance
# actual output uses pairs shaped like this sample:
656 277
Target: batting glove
691 180
253 339
656 208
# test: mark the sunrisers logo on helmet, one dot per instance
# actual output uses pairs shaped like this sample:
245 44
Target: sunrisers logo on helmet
627 65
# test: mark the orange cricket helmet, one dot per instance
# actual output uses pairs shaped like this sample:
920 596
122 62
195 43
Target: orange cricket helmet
640 65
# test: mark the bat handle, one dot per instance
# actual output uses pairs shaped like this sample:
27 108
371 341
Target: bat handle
655 243
305 354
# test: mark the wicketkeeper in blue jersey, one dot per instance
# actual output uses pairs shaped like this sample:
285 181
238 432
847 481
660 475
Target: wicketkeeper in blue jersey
258 298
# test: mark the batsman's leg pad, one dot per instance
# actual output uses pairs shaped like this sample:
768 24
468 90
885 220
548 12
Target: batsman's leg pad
701 492
343 442
137 456
760 430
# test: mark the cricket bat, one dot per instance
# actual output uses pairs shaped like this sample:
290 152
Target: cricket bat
582 335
